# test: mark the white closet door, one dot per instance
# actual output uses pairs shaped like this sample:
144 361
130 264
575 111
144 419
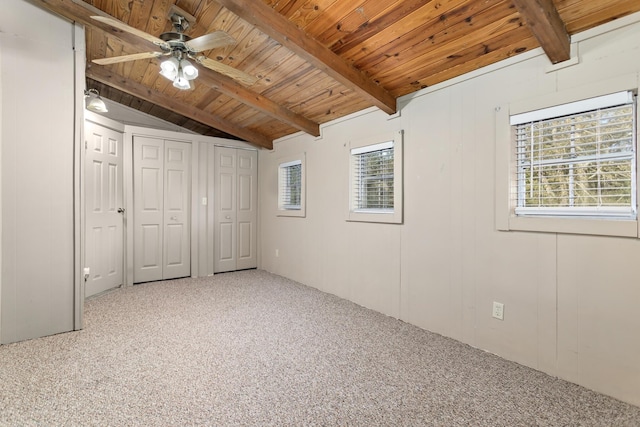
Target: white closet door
148 196
235 232
162 222
247 213
225 229
104 224
177 190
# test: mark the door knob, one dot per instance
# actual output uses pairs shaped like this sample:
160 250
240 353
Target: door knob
120 210
227 217
174 218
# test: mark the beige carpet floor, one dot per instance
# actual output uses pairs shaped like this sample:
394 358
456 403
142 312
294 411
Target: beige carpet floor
254 349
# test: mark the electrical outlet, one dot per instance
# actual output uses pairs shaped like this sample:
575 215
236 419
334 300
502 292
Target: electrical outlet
277 253
498 310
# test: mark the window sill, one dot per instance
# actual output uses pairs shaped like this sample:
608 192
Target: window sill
589 226
375 216
299 213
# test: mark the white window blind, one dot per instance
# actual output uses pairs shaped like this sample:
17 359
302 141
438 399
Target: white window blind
577 162
290 185
372 170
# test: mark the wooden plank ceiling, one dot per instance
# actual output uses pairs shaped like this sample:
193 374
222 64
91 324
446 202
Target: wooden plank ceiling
317 60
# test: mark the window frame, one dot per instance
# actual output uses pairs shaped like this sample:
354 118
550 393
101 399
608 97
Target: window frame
285 162
506 167
529 158
361 146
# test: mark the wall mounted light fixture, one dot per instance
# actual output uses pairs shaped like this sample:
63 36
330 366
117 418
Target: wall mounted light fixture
93 102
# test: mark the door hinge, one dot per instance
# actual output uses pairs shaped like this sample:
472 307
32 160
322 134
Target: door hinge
85 145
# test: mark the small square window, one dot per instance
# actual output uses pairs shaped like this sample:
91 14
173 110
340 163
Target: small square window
291 188
376 180
372 168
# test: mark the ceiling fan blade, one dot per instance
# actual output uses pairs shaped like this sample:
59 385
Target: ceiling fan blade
210 41
125 58
124 27
221 68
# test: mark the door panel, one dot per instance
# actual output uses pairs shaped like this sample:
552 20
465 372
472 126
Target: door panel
149 254
113 234
98 192
177 194
227 191
247 209
225 214
174 252
244 240
104 224
148 190
175 190
226 242
245 192
94 253
151 187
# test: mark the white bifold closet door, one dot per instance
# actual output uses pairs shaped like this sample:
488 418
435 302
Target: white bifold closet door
235 217
162 187
104 209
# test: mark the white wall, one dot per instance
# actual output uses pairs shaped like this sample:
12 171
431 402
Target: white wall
37 79
132 117
571 301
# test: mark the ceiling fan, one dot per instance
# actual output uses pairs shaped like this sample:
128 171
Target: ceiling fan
179 48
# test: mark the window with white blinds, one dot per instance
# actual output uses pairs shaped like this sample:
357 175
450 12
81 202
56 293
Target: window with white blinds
577 159
373 181
290 185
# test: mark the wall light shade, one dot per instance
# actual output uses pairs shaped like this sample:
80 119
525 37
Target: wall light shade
93 102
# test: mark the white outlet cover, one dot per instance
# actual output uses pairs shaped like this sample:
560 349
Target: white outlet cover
498 310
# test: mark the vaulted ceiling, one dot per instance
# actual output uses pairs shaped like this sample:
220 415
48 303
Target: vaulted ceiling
312 61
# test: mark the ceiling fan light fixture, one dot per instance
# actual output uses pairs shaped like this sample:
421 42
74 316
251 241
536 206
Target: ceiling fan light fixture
181 82
93 102
188 69
169 68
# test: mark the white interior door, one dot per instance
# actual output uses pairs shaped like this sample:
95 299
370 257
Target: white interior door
148 200
247 212
104 213
177 190
225 229
235 216
161 194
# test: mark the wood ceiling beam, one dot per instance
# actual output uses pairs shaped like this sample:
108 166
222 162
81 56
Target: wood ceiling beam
141 91
548 28
229 87
81 12
279 28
